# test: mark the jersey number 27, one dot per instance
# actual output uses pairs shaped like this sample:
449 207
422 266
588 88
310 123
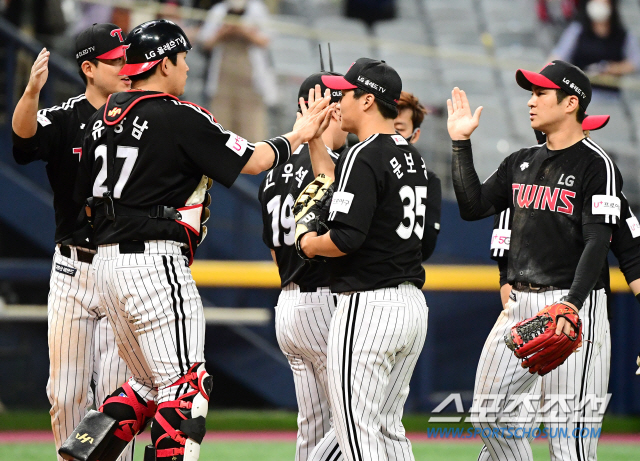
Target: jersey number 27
129 154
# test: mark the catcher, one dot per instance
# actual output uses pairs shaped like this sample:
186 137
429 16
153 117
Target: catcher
564 198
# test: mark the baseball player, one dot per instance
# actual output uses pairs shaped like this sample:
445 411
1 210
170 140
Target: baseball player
376 221
145 156
564 198
410 116
306 304
81 344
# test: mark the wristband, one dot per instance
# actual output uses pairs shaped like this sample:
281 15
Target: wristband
281 149
572 300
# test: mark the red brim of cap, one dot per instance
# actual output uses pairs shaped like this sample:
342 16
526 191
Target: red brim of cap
526 79
337 82
135 69
595 122
116 53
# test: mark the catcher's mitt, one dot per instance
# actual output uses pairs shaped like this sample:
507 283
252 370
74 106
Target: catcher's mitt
535 339
312 208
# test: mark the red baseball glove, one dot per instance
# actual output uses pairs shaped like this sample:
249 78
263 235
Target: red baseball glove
535 339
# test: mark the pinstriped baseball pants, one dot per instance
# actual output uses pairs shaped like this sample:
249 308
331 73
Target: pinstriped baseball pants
302 330
585 373
375 339
82 348
156 313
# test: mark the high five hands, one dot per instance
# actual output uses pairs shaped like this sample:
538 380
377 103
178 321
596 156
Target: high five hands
461 123
39 72
315 97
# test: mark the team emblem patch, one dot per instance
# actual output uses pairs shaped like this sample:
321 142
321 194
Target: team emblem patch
66 270
115 111
524 166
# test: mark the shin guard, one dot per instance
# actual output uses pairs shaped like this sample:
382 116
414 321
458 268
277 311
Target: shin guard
179 425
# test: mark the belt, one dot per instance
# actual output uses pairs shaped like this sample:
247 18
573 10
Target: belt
131 246
533 287
81 255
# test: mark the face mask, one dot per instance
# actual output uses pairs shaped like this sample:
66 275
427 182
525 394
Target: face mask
408 139
598 11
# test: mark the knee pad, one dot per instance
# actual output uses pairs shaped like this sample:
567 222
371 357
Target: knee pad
179 425
131 412
104 434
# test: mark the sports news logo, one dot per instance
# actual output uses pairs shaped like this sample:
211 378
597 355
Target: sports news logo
117 32
84 438
114 112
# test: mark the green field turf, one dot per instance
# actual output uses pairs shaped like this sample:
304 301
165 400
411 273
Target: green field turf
274 420
284 451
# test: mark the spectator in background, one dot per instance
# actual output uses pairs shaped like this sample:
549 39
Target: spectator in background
370 11
240 80
599 44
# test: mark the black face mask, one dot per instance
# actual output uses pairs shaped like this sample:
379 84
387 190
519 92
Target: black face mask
411 136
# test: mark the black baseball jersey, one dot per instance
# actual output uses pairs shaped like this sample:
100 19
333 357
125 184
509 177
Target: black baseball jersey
550 195
277 194
625 244
381 190
58 142
162 148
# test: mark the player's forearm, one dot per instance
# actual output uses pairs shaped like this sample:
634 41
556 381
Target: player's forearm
597 238
635 286
321 162
505 291
269 154
467 185
24 122
320 246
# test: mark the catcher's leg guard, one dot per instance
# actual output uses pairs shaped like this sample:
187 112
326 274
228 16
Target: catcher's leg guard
106 433
179 425
90 438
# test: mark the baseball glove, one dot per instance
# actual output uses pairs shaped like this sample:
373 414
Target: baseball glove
535 339
312 208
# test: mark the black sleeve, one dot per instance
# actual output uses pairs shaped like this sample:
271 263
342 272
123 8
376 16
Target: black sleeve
625 243
429 239
348 239
51 128
218 153
503 264
596 239
476 200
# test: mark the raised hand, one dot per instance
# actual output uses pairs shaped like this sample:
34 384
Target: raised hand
39 72
316 114
461 123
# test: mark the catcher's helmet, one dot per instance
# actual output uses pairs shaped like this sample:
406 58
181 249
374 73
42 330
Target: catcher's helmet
152 41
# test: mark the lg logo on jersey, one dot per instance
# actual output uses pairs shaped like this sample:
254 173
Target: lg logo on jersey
568 181
543 197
